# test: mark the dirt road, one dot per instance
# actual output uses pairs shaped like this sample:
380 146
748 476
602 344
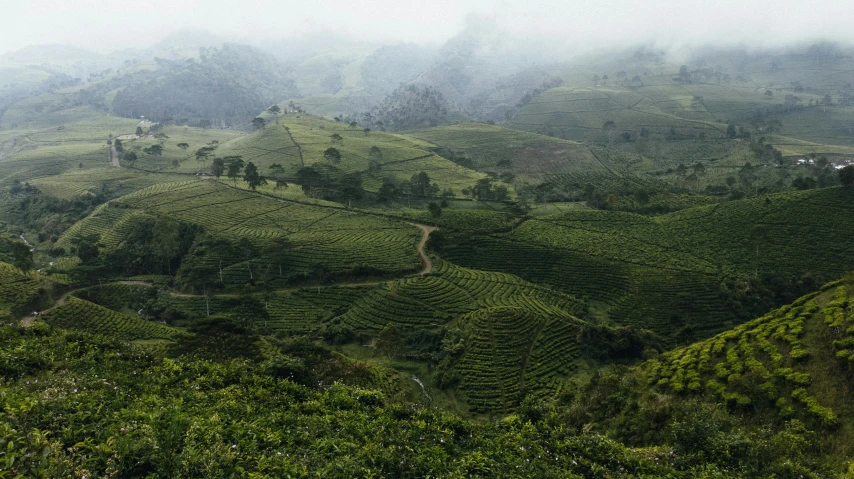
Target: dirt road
428 265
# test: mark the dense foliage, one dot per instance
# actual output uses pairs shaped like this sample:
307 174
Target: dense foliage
83 405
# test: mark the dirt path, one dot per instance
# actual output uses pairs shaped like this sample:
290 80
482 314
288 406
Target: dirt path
114 157
428 264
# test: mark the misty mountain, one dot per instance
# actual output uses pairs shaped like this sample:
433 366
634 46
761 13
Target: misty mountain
226 86
410 107
389 66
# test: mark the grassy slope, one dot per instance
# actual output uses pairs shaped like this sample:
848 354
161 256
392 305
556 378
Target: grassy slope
536 158
579 113
402 156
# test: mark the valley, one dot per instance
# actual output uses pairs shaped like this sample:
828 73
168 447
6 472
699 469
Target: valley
359 262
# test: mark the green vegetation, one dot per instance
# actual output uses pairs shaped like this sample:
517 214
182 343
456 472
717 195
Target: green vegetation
300 141
684 274
20 293
192 416
83 315
600 268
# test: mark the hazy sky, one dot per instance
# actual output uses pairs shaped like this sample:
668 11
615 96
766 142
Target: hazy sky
108 25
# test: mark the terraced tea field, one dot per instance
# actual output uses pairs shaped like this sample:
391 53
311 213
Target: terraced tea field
18 290
664 272
780 360
83 315
519 338
335 239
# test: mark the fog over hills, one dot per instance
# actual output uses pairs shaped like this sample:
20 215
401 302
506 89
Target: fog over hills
239 238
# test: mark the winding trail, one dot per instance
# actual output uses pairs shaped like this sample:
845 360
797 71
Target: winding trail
428 264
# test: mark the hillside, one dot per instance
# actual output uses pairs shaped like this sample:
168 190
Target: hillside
315 410
321 256
582 113
789 370
686 273
320 240
298 140
782 411
226 87
557 167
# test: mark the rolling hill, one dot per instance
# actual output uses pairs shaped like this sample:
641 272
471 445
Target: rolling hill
680 274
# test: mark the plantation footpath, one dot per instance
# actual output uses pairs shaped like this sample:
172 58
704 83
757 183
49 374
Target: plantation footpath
428 264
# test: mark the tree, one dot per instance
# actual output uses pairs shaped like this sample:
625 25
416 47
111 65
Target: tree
336 138
252 177
154 150
277 172
175 163
366 131
130 156
435 210
802 183
846 176
203 152
309 179
275 110
167 240
769 93
120 148
332 155
609 127
350 187
693 178
730 131
420 184
22 257
747 175
139 131
183 146
699 170
87 248
375 154
217 167
388 191
258 122
233 164
389 342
